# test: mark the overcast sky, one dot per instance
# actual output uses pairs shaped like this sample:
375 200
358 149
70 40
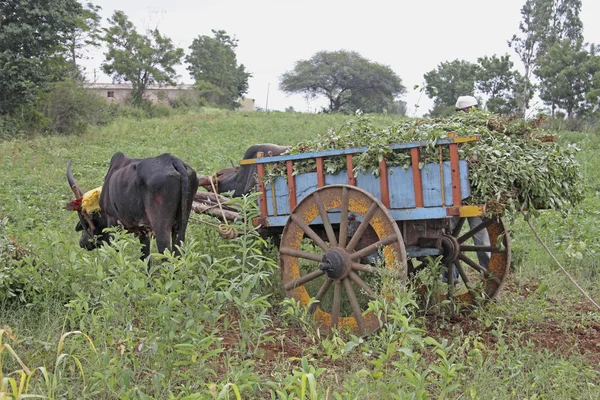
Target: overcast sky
411 37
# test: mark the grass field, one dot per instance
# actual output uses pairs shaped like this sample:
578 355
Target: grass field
216 323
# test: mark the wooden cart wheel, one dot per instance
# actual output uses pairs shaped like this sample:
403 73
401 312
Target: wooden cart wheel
334 271
468 278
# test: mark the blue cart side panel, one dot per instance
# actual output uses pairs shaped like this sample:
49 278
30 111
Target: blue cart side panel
401 188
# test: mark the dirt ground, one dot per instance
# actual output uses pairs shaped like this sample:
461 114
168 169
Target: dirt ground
289 344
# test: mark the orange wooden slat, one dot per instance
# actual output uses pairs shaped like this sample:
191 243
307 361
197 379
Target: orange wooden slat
320 172
418 184
291 184
383 182
455 168
260 169
350 168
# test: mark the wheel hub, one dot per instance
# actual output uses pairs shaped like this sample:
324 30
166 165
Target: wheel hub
335 263
450 248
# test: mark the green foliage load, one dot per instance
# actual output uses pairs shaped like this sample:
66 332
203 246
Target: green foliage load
510 167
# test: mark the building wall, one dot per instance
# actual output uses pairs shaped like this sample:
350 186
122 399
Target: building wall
119 92
246 104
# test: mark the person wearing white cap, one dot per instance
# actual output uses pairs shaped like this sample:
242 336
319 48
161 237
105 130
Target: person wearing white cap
481 238
465 103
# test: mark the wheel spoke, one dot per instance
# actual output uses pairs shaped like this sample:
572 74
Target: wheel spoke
373 247
319 296
325 219
458 227
366 268
309 232
462 274
335 312
303 279
491 249
363 285
360 321
344 216
477 267
288 251
362 227
474 231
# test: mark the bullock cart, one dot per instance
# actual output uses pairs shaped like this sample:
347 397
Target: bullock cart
346 238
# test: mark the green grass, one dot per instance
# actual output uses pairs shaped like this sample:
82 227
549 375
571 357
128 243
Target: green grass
211 323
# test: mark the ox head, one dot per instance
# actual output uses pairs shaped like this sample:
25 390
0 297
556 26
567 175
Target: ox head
90 223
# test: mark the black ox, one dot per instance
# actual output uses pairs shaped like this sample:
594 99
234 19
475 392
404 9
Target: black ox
241 180
143 195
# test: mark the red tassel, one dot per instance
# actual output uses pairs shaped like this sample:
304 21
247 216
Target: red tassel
76 204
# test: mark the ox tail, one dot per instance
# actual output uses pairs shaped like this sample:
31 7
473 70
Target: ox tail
182 215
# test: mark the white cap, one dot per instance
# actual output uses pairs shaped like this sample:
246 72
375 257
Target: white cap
465 101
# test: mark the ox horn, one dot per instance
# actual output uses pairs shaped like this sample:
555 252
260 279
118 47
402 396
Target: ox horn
78 195
74 187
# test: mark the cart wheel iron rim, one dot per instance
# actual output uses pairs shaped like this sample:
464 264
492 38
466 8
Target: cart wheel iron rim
338 260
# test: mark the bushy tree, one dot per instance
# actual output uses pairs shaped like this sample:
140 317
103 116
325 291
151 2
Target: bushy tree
567 73
139 59
32 36
348 80
213 65
543 23
501 83
448 81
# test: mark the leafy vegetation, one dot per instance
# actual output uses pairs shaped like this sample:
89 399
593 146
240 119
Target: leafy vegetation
215 323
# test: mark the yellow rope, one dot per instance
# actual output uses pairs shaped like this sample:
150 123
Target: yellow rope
225 231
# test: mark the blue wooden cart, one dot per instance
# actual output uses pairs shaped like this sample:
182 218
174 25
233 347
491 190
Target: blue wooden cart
346 239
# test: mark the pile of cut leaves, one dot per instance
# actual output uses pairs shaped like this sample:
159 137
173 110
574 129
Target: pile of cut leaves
509 168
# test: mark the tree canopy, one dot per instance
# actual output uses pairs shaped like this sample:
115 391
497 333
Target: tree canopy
567 72
32 33
213 65
348 80
544 22
450 80
501 83
139 59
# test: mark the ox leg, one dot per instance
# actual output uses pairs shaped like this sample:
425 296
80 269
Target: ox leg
177 238
163 240
145 241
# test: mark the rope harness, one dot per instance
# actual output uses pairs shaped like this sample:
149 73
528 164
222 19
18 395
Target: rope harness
226 231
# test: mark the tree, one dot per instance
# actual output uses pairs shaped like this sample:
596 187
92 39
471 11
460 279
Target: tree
593 96
563 23
140 59
497 79
566 75
214 67
32 33
543 23
85 33
449 81
348 80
